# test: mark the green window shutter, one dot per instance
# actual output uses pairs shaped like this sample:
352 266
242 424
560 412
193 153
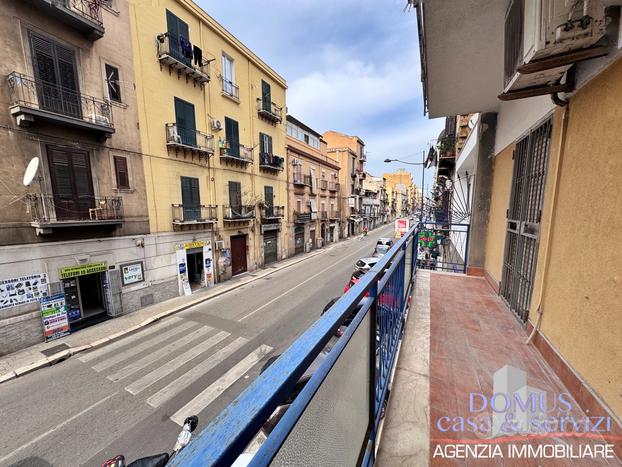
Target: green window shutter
269 140
185 119
235 196
176 28
266 96
232 136
262 146
190 198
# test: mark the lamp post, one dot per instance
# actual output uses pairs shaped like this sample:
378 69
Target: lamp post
422 177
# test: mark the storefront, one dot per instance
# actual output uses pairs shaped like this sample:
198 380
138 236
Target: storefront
299 240
87 293
195 266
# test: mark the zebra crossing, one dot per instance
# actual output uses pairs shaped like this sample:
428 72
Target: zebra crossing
165 359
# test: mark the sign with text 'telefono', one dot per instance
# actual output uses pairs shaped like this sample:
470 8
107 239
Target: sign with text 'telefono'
83 269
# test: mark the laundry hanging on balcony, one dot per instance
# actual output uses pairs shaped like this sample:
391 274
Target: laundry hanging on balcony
186 48
197 53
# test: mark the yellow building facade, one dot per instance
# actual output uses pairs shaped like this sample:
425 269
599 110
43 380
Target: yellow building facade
212 125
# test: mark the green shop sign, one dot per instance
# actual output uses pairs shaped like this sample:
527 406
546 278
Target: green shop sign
83 269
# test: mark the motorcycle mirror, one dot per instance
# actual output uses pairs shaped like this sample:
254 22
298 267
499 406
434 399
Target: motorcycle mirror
192 422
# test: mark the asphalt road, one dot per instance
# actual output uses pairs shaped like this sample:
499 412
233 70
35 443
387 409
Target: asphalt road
130 396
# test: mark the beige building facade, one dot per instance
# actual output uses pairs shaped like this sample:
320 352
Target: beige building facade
78 226
314 187
350 152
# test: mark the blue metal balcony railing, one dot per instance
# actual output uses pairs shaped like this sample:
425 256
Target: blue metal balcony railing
335 418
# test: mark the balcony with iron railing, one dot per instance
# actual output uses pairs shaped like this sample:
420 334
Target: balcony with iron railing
189 139
33 99
201 215
324 184
334 215
269 161
302 217
235 152
176 54
85 16
230 89
238 213
323 215
50 211
272 214
269 110
334 187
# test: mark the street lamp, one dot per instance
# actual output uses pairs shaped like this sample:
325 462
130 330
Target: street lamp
422 177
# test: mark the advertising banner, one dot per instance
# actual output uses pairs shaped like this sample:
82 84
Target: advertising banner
54 316
83 269
24 289
182 272
401 227
132 273
208 264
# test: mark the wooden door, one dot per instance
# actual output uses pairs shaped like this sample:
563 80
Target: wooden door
72 186
238 254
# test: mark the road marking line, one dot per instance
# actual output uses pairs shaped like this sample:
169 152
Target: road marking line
87 357
148 359
270 302
166 369
206 397
181 383
57 427
155 340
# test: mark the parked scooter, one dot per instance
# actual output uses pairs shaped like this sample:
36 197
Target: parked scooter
159 460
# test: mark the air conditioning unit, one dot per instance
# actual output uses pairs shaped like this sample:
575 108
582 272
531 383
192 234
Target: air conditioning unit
543 38
216 125
99 119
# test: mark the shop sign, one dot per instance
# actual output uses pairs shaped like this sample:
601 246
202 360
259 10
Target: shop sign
208 264
182 273
54 316
132 273
401 227
191 245
83 269
24 289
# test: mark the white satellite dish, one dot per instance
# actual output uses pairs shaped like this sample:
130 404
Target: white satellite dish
31 171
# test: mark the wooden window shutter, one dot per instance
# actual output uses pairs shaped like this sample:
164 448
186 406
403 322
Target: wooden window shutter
122 173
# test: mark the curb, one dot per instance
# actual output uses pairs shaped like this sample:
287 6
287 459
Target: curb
65 354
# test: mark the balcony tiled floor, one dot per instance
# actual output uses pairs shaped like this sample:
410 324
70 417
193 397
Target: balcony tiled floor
471 335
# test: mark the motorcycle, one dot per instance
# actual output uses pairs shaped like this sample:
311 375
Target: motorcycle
159 460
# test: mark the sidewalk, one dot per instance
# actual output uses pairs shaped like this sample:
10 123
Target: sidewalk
456 341
48 353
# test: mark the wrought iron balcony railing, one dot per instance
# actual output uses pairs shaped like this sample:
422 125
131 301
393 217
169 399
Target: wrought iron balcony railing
269 110
302 217
236 152
324 184
270 161
173 52
335 215
48 209
272 213
358 369
201 214
299 179
189 139
230 89
32 98
243 212
333 186
83 15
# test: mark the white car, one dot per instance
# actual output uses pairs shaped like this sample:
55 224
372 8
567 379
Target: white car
385 241
365 264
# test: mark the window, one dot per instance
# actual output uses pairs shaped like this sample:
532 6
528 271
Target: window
302 135
178 33
190 198
186 127
298 205
121 173
268 193
55 73
232 136
266 96
228 75
265 143
235 196
113 83
72 185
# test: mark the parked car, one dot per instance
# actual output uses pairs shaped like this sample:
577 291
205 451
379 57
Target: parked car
365 264
300 384
380 250
354 278
385 241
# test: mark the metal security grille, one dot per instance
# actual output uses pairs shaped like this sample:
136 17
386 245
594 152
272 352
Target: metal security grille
524 215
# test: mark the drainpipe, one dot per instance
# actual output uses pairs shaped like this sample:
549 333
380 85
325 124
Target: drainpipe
560 152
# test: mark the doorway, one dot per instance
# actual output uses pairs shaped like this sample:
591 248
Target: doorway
92 298
194 263
270 247
299 240
238 254
312 239
523 224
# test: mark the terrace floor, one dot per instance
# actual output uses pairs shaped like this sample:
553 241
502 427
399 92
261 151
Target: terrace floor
458 335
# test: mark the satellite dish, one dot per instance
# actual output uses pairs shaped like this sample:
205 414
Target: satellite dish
31 171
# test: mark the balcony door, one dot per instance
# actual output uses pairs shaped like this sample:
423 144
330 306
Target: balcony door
266 97
232 135
235 198
186 124
190 198
178 33
269 200
56 77
523 223
72 185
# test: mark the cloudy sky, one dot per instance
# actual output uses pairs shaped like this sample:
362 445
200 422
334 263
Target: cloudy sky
350 65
